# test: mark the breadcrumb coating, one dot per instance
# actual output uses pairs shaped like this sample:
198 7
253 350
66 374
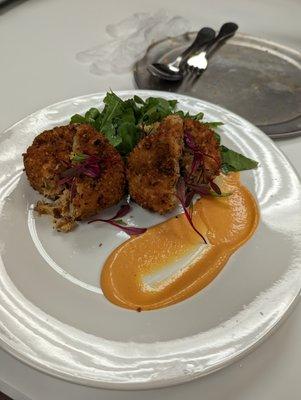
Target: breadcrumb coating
50 156
156 163
153 166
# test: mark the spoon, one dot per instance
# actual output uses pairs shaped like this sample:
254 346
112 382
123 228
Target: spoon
173 70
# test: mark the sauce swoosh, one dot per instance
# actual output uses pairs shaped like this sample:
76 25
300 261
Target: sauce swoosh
169 262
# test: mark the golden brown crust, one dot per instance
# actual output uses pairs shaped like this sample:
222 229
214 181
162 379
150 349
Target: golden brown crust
153 167
206 142
46 159
93 195
49 156
59 210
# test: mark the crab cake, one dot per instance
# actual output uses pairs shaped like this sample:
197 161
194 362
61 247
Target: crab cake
208 149
84 174
46 159
153 166
156 163
92 195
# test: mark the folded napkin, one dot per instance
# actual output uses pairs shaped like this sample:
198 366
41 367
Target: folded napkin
129 40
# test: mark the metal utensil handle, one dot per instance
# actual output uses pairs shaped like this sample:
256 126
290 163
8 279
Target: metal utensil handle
227 30
204 36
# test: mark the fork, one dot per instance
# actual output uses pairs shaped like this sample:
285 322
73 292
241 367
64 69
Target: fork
199 62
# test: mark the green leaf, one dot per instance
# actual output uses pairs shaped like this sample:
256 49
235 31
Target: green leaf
113 108
223 194
155 109
138 100
126 116
93 113
172 103
79 157
128 133
217 137
199 116
77 119
120 122
110 133
233 161
180 113
120 222
213 124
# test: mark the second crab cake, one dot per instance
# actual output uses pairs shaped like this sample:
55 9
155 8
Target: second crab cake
79 169
200 140
177 147
153 166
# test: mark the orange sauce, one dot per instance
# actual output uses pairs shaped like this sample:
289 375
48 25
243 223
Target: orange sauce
169 262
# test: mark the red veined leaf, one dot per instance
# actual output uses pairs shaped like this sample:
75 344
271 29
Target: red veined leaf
202 189
73 189
130 230
124 210
187 215
215 188
89 166
190 142
181 190
197 160
189 197
67 179
212 158
181 195
92 172
69 173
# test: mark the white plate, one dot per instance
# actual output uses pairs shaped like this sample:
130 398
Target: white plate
54 317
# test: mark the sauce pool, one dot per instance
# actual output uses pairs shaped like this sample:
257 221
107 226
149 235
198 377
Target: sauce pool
170 262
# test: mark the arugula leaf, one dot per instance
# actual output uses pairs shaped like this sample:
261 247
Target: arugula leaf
120 222
233 161
213 125
77 119
155 109
120 122
110 133
197 116
113 108
217 137
78 157
129 135
93 113
138 100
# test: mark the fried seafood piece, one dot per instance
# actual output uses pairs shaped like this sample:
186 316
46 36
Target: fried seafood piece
80 188
206 148
92 195
153 166
46 159
178 147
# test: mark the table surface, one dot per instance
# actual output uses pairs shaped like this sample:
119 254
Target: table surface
38 41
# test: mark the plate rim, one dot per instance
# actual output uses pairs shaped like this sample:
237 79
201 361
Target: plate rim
177 380
243 36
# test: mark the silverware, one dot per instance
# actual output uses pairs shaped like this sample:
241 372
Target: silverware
173 71
199 62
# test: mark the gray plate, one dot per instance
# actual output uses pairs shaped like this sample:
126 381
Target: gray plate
255 78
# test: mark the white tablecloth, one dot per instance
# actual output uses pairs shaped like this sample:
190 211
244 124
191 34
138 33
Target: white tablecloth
38 41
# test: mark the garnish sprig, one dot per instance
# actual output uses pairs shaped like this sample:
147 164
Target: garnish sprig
81 165
119 223
182 197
